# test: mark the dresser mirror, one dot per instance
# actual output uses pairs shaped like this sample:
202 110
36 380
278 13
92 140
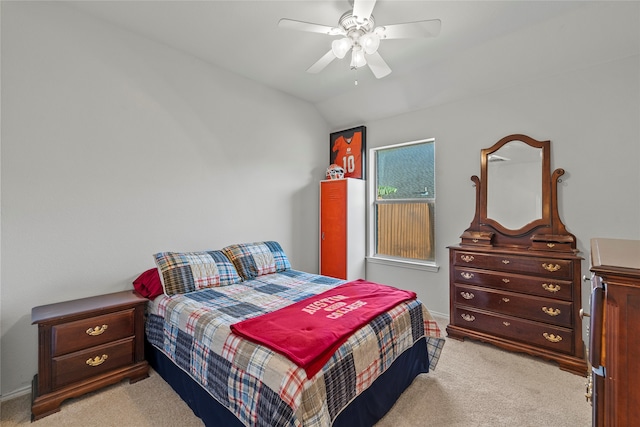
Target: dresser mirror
516 197
513 173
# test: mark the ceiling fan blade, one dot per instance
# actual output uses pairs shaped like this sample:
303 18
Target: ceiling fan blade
322 62
379 68
362 9
309 27
409 30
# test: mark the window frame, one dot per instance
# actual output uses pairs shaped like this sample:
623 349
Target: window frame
372 186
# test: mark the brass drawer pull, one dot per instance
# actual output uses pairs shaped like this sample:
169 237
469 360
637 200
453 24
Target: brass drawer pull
466 275
552 337
506 280
551 287
551 245
551 311
551 267
468 317
98 330
467 295
505 261
506 323
505 299
97 361
467 258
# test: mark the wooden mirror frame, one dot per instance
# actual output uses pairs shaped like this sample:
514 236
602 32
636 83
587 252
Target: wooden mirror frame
545 233
545 197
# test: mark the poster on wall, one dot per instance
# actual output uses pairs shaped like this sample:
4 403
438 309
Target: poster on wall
346 149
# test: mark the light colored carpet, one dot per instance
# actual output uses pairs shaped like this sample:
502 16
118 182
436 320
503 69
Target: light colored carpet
474 384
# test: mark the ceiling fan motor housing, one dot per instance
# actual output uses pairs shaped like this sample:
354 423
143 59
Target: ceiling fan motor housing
349 23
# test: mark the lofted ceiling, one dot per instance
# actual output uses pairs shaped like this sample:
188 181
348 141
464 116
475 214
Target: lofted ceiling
483 46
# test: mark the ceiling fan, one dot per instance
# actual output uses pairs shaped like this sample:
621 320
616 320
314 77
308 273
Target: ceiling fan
361 37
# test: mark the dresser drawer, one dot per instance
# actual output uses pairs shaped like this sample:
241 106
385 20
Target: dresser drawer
85 333
541 286
529 307
533 333
88 363
541 266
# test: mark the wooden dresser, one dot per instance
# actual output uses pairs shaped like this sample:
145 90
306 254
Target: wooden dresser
519 300
614 347
86 344
515 277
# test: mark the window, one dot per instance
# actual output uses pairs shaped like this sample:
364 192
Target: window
402 203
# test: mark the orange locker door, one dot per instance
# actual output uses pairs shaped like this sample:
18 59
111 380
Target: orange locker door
333 228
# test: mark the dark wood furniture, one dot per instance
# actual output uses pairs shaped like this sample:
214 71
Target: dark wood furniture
614 347
86 344
519 288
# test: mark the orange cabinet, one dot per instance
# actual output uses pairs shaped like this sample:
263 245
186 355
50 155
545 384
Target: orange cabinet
343 228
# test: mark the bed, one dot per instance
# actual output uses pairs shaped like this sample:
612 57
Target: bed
231 380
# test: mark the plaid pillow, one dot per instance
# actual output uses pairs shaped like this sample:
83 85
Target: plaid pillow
256 259
183 272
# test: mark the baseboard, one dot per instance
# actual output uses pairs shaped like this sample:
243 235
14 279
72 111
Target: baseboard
437 314
16 393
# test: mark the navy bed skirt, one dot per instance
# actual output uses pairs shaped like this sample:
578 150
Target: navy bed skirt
364 411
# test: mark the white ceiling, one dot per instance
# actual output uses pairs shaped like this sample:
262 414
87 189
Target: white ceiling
483 46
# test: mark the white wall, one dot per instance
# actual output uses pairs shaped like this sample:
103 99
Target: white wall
591 117
115 147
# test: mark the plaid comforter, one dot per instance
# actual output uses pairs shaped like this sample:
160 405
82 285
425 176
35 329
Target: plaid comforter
264 388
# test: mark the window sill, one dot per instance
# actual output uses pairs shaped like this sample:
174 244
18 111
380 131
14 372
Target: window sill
395 262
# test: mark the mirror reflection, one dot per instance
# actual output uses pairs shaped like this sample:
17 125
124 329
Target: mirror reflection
514 185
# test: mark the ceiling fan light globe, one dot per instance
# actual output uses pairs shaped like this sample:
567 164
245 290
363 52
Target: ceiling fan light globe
357 58
341 47
370 43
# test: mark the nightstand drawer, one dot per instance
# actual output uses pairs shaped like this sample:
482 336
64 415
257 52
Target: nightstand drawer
85 333
91 362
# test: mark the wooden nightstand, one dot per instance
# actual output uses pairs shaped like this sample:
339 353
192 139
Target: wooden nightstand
87 344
